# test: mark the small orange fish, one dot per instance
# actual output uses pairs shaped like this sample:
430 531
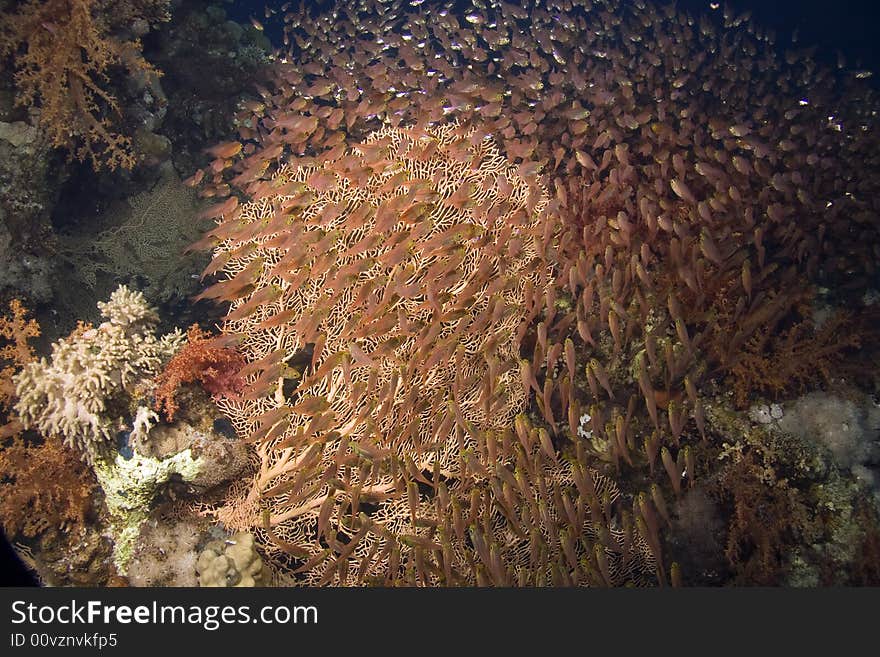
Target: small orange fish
322 181
254 106
220 164
195 179
236 287
220 209
225 150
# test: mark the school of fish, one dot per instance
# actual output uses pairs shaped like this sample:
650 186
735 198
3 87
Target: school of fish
445 215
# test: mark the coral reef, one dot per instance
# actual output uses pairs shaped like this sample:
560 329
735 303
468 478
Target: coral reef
669 261
82 557
380 301
136 240
16 351
517 294
73 395
166 552
846 423
48 497
43 487
776 361
88 394
767 518
227 458
795 517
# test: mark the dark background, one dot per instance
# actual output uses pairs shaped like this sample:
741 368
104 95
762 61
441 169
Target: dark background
850 26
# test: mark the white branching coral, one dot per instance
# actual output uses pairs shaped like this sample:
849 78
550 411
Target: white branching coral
72 394
144 420
128 308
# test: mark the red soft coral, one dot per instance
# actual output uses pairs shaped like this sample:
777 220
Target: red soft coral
215 368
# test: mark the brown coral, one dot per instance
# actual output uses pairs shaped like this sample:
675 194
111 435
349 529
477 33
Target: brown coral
776 362
767 519
64 53
16 331
43 487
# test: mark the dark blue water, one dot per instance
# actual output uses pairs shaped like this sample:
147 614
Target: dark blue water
851 26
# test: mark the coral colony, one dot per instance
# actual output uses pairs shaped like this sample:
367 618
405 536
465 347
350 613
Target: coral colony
555 293
70 49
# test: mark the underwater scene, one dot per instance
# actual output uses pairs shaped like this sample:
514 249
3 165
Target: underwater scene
484 293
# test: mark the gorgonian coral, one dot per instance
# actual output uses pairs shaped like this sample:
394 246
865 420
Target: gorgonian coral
381 300
699 190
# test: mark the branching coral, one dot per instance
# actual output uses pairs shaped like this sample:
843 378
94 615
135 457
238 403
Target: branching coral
766 520
794 517
64 52
43 487
792 360
73 394
15 330
84 394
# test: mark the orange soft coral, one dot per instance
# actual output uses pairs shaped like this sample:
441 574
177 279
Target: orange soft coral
15 331
43 487
795 359
63 52
215 368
